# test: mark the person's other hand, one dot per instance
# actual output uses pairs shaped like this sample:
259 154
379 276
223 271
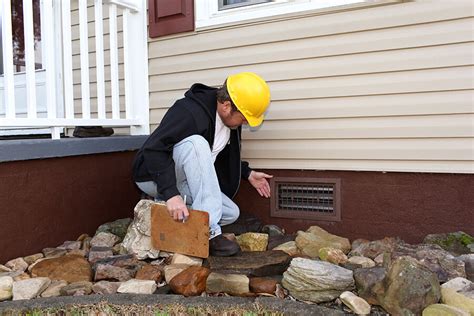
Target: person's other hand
177 208
259 181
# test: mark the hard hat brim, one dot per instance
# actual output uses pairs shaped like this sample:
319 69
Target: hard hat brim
254 121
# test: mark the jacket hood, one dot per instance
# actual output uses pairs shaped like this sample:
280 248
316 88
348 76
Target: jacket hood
205 96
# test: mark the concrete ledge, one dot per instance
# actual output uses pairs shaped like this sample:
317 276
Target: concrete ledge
27 149
286 307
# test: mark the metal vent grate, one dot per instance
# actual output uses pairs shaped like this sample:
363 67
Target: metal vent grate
308 198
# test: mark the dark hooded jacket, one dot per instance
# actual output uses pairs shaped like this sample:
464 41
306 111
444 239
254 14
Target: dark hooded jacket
195 114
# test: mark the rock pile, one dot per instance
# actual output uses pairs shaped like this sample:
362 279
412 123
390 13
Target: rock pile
433 278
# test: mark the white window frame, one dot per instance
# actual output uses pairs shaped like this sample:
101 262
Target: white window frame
209 16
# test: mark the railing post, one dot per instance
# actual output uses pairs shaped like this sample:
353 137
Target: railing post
136 67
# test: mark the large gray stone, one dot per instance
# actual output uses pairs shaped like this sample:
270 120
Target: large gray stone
30 288
457 243
316 281
138 238
409 288
369 283
432 256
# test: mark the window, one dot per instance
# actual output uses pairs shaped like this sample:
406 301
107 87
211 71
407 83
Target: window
216 13
229 4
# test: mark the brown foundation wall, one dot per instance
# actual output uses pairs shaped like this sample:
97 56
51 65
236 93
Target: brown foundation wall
45 202
376 204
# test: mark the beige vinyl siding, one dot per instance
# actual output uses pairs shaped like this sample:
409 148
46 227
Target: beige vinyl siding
386 88
76 61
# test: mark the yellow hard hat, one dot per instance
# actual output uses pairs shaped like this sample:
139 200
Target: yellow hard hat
250 94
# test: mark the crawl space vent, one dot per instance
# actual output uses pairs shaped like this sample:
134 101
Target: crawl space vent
306 198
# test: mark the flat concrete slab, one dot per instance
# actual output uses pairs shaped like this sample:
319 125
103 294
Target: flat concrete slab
285 307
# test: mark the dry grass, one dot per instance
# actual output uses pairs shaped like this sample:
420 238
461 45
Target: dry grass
106 309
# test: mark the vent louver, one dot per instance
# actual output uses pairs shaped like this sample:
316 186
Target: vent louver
306 198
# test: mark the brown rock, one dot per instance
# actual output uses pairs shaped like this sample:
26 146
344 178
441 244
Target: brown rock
255 263
22 276
150 272
110 272
72 268
253 241
190 282
173 270
77 252
263 285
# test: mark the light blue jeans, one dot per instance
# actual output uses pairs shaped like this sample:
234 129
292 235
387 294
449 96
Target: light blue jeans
197 179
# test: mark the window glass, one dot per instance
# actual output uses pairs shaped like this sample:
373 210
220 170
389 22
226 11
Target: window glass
229 4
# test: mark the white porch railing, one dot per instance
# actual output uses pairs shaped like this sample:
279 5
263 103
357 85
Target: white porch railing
57 89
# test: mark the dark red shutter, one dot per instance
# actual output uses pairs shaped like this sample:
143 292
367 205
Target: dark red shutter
170 16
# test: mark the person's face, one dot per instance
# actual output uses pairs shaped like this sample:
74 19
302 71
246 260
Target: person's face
231 119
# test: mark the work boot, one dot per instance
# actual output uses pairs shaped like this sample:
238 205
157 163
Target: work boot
220 246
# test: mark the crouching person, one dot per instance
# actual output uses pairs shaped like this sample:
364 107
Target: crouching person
195 152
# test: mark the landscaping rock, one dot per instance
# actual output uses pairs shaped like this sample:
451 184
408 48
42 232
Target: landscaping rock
456 243
253 241
32 258
150 272
316 281
358 305
70 268
123 261
263 285
106 287
369 283
4 269
275 241
253 263
452 298
53 252
409 288
374 248
362 261
104 239
190 282
138 238
30 288
54 289
98 253
289 247
172 270
332 255
434 258
70 245
183 259
273 230
443 310
6 288
77 288
18 264
110 272
118 227
458 284
315 238
468 265
234 284
137 287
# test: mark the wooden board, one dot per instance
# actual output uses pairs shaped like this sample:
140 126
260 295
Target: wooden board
188 238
